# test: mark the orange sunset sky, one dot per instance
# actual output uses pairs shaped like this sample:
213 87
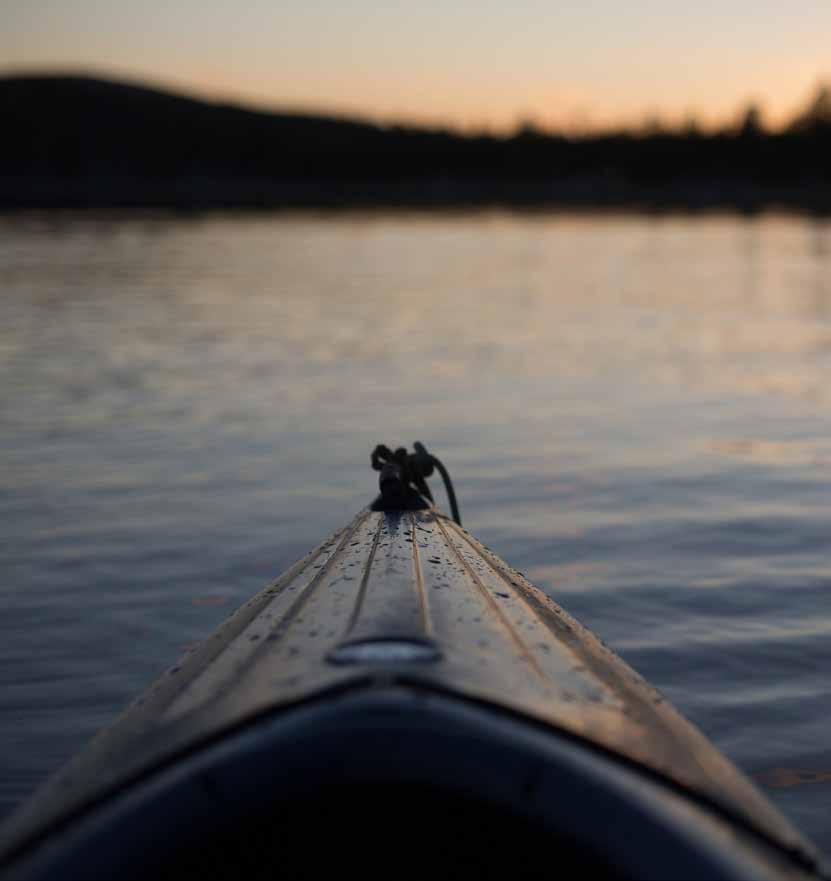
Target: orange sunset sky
467 64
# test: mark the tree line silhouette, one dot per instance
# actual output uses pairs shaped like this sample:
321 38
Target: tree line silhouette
81 141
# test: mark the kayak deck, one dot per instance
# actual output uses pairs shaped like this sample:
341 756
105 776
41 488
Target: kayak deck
404 599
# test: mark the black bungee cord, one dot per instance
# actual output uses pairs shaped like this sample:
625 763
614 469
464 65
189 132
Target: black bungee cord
404 476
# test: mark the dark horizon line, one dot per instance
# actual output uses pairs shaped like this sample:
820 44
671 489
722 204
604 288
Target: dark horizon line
88 142
749 114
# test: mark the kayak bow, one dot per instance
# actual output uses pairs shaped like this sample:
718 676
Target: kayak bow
401 702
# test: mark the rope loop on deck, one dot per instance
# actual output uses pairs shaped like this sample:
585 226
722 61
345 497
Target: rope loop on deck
401 470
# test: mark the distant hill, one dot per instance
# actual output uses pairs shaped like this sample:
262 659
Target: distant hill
79 125
81 141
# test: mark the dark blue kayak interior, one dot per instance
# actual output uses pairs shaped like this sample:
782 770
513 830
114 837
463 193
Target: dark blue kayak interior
398 781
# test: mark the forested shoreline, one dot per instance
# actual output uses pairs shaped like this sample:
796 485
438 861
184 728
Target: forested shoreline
86 142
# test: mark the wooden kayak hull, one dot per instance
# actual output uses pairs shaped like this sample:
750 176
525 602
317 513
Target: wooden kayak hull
402 655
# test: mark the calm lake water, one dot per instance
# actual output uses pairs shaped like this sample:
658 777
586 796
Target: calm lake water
636 412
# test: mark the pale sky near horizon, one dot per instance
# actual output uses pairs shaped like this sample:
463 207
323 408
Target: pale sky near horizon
462 63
